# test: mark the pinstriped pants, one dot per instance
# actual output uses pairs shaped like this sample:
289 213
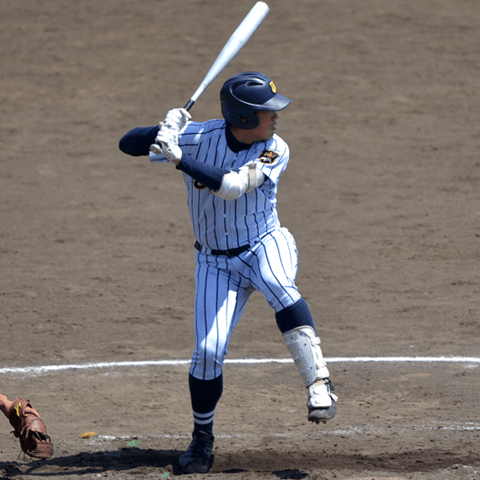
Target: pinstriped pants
223 287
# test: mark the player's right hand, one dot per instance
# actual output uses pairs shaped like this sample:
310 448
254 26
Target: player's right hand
177 118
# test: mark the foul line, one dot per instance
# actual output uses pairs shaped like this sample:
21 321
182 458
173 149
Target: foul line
153 363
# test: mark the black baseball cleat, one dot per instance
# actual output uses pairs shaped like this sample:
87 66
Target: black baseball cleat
198 456
322 404
322 414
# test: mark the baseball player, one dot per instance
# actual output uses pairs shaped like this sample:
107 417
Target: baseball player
231 170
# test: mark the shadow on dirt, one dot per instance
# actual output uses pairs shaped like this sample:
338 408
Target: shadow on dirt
291 465
123 460
128 462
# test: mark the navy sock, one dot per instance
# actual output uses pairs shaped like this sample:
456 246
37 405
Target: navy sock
205 395
296 315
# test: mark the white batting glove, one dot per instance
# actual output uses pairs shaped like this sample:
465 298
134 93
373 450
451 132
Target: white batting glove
168 139
177 118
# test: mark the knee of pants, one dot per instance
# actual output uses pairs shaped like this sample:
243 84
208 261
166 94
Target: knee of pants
283 299
207 363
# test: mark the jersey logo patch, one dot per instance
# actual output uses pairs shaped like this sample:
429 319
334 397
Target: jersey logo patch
198 185
268 156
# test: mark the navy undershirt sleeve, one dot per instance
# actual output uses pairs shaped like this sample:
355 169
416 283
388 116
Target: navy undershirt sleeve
137 141
207 175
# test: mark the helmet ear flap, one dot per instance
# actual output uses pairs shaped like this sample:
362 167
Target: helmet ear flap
240 117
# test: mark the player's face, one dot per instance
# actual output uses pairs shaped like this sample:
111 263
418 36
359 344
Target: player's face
264 131
267 126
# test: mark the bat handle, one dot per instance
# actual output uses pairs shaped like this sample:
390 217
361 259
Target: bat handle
157 149
189 105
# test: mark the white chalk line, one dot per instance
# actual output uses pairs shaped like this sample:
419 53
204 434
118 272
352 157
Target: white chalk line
155 363
351 431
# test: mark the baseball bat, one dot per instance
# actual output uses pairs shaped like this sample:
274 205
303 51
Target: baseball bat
234 44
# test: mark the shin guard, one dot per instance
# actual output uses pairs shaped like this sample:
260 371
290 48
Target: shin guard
304 346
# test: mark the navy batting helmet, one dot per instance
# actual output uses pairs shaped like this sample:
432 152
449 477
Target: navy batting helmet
247 93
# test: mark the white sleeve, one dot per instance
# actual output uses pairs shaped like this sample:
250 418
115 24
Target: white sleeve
235 184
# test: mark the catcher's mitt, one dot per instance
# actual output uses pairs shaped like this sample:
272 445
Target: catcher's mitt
30 429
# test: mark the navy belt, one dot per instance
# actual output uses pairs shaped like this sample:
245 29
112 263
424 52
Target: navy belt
233 252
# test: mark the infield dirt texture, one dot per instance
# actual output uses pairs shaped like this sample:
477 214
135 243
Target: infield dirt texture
382 194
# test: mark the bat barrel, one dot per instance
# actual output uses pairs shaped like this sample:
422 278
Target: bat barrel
235 43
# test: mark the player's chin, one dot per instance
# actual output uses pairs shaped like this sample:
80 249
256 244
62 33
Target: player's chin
270 134
266 135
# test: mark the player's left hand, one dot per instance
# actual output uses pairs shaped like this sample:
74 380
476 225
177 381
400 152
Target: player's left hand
177 118
168 139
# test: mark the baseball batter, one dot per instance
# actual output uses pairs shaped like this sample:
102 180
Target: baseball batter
231 170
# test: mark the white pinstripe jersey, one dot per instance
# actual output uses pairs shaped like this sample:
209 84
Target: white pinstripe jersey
224 224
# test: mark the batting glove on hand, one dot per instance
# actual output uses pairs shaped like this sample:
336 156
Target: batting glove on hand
177 118
168 139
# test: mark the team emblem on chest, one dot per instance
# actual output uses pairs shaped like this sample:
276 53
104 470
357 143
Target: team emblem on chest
268 156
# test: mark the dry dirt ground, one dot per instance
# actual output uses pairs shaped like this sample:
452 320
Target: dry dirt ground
382 195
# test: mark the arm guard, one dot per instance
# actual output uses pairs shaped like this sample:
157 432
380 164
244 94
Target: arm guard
235 184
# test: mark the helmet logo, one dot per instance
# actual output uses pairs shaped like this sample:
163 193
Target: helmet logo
273 87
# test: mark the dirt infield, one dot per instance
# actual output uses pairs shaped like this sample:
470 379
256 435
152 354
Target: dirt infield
382 195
